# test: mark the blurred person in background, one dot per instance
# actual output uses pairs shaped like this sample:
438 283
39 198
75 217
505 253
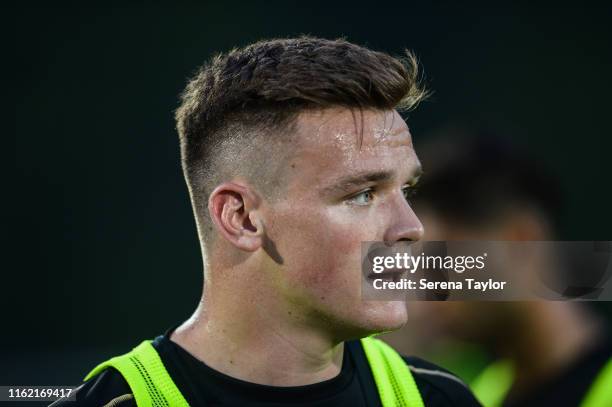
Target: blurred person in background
479 186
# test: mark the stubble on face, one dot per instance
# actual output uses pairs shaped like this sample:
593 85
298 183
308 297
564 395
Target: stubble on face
318 230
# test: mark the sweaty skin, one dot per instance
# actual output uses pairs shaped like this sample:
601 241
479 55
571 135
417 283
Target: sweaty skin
282 280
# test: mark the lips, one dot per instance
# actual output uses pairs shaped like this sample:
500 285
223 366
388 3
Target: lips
372 250
388 275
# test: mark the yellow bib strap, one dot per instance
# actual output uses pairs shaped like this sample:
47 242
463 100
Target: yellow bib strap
147 377
393 378
600 393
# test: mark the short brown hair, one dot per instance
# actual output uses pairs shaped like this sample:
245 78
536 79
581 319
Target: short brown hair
257 92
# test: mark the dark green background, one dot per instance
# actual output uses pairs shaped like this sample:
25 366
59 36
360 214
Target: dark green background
100 245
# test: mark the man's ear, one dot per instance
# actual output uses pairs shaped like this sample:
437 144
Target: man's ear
233 210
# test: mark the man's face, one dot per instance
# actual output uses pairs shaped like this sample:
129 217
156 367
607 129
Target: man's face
339 193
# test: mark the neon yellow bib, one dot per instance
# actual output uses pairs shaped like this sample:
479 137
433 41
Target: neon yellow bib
151 384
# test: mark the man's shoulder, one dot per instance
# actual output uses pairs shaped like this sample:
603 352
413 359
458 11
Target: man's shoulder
108 387
438 385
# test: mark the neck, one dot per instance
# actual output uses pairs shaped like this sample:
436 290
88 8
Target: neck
257 338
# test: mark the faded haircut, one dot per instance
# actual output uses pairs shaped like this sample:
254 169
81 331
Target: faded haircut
242 104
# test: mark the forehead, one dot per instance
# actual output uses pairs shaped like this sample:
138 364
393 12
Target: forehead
337 141
346 126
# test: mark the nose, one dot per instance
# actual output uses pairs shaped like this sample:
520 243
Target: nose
404 225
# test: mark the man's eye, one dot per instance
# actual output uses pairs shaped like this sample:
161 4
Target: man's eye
362 198
409 192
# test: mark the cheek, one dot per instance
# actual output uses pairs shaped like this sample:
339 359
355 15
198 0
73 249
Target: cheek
319 250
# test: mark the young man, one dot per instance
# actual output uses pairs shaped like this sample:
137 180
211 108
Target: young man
294 154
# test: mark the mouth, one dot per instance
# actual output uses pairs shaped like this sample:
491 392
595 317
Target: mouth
394 275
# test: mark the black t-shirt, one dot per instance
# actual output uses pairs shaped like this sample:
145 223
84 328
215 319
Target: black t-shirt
204 386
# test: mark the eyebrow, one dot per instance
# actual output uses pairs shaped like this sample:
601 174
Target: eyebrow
350 182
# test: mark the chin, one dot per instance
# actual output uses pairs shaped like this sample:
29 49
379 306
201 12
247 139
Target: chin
383 316
394 315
